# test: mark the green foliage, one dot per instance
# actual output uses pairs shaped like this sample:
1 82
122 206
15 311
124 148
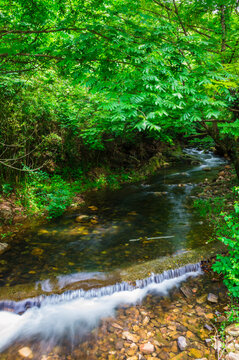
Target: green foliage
46 193
228 265
211 206
94 72
7 189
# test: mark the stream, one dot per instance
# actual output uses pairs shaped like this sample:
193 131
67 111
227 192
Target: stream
72 265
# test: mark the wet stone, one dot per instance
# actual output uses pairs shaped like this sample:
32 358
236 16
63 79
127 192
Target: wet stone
232 330
212 298
182 343
131 337
147 348
232 356
186 292
25 352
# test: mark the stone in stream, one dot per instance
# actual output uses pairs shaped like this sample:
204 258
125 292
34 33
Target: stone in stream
3 247
25 352
232 356
232 330
131 337
182 343
147 348
82 218
208 327
212 298
186 292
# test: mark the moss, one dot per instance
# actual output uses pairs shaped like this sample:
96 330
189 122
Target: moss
143 270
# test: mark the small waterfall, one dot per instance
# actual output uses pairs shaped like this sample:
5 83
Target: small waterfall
41 301
71 315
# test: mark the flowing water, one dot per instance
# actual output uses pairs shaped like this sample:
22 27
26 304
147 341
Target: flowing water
139 222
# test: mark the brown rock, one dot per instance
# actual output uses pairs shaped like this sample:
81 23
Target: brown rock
186 292
82 218
25 352
212 298
117 326
232 330
196 354
147 348
131 337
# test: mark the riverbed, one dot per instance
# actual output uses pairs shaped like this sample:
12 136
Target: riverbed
83 258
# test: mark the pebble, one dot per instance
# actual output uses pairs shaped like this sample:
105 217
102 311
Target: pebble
25 352
212 298
232 356
232 330
182 343
131 337
147 348
208 327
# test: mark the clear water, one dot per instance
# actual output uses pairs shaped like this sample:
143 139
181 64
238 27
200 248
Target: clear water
139 222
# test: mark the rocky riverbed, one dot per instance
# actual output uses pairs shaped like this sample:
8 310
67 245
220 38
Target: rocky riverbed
179 326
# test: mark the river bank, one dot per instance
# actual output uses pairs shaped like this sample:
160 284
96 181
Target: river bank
20 207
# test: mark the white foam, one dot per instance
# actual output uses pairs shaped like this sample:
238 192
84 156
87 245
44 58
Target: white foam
54 321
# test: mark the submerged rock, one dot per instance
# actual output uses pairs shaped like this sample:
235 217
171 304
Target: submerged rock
147 348
182 343
131 337
186 292
25 352
82 218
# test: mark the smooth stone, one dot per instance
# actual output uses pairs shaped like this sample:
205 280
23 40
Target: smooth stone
186 292
212 298
208 327
232 330
232 356
182 343
147 348
3 247
25 352
82 218
131 337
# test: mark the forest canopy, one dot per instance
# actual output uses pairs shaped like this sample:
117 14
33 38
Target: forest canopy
85 74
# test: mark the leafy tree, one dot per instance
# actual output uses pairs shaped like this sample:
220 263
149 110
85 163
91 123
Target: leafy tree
158 67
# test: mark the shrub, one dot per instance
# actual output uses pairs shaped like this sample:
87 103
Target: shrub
228 264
